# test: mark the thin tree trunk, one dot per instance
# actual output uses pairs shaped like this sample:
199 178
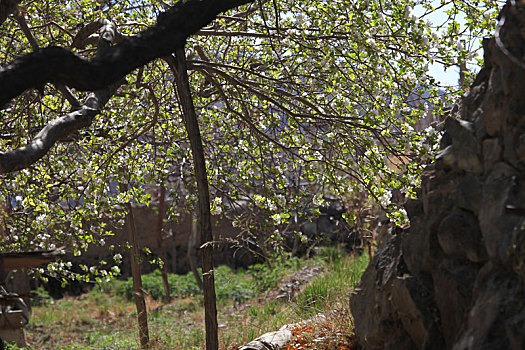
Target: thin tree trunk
192 128
462 74
5 211
192 250
162 253
140 303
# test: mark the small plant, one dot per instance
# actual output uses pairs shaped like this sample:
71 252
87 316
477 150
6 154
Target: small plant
109 341
180 286
40 297
335 331
266 277
330 254
233 286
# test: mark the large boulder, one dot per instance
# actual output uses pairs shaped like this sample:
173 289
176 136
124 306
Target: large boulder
456 278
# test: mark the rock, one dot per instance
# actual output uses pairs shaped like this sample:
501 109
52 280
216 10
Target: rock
455 278
416 311
453 282
499 171
495 321
491 153
408 295
459 235
446 158
287 288
468 195
480 130
279 339
377 326
497 226
269 341
466 147
491 116
521 147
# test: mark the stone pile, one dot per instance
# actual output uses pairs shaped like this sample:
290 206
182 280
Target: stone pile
456 278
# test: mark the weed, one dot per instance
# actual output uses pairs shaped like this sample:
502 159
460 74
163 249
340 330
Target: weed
109 341
266 278
233 286
40 297
254 311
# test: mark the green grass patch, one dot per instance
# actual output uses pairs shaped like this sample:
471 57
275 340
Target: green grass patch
231 285
342 275
105 318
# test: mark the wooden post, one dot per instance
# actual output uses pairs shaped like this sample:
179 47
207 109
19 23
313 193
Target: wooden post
138 293
463 70
192 128
192 250
4 213
162 253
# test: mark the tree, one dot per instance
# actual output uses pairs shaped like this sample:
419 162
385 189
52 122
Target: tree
289 95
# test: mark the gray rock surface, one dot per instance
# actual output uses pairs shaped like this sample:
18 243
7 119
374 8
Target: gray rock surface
270 341
456 278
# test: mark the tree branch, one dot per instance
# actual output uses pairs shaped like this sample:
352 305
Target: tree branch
55 64
7 7
61 127
56 130
20 18
189 117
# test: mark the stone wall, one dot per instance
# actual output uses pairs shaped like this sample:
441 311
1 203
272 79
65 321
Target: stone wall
456 278
231 246
175 244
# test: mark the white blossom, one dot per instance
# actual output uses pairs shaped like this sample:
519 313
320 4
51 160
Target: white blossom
300 18
385 198
216 208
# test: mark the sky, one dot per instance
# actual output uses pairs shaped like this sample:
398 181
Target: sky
448 76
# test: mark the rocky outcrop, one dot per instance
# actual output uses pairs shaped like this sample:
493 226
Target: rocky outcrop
456 278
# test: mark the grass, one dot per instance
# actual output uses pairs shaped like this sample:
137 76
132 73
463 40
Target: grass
332 290
237 286
106 318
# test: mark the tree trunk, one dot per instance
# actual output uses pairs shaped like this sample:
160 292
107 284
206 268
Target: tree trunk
192 250
140 303
5 211
162 253
192 128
